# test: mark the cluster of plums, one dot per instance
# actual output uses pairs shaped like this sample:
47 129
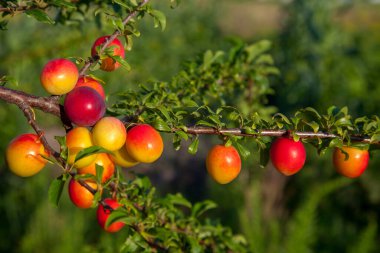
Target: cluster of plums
84 105
287 156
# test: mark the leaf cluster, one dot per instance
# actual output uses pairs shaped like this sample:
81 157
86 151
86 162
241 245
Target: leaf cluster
74 12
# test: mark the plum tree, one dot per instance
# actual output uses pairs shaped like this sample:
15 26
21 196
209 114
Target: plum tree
195 102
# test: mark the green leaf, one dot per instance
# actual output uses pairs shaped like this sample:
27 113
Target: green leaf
118 24
128 42
336 142
314 125
99 173
3 25
202 207
375 138
264 157
176 142
189 102
256 49
331 110
343 122
244 152
249 130
97 198
178 199
164 111
183 135
206 123
130 245
122 62
39 15
344 111
56 188
159 19
161 125
313 111
49 159
282 117
90 151
143 182
216 120
265 59
195 247
121 215
121 3
193 148
61 140
63 3
209 58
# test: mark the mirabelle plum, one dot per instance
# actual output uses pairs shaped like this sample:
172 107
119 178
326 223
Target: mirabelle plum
223 163
79 195
144 144
109 133
24 155
355 164
78 139
59 76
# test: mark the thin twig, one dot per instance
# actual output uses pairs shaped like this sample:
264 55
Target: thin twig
271 133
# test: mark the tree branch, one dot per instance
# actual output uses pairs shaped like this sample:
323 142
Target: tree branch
51 105
45 104
271 133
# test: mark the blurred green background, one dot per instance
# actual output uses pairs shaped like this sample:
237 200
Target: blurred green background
328 53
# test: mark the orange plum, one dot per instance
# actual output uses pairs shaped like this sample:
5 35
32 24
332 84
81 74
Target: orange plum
23 155
355 164
144 144
223 163
79 195
122 158
109 133
78 139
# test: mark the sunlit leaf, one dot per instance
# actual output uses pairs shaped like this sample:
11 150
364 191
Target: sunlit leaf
39 15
